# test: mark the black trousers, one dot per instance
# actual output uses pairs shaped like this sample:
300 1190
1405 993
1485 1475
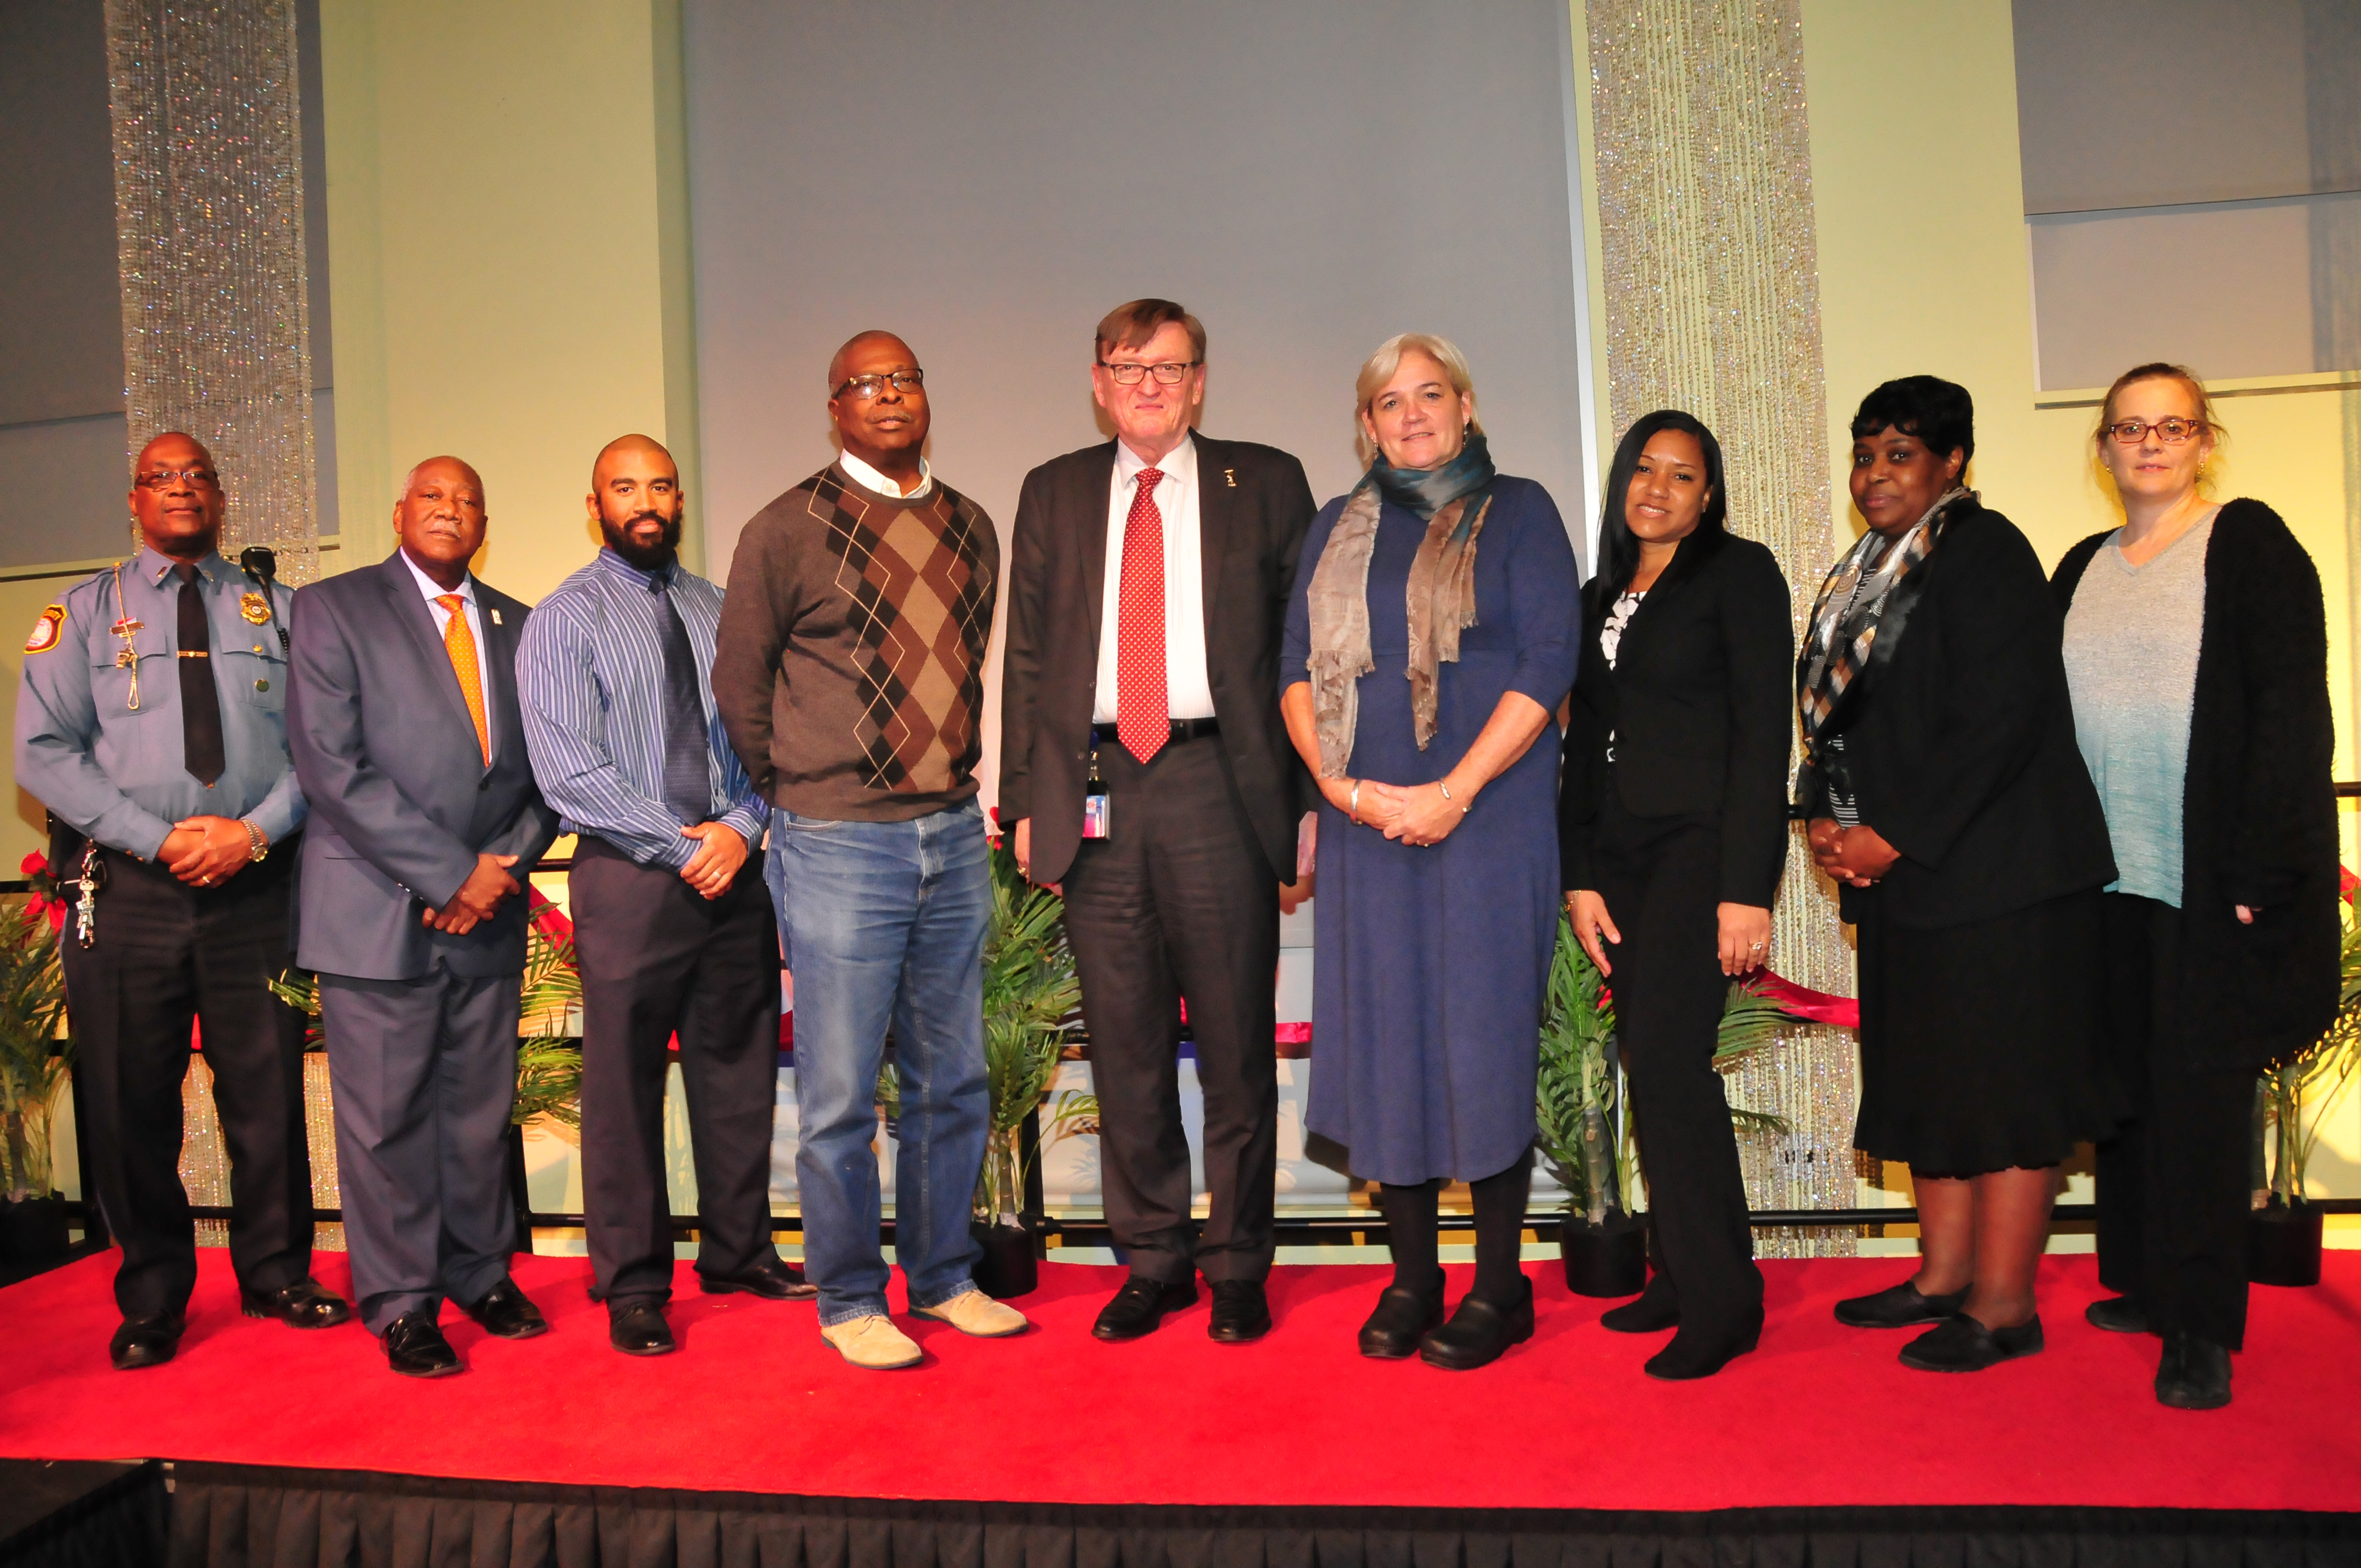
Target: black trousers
167 955
658 958
1180 902
1660 880
2173 1196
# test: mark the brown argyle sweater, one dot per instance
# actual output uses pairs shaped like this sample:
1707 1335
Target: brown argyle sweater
850 665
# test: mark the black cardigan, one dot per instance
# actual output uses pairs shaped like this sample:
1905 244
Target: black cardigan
1959 739
1699 705
2259 811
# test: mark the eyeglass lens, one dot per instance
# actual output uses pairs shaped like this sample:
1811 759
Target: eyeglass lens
1167 374
2171 432
163 476
870 386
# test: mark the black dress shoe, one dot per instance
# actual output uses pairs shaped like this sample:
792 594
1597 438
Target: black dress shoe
637 1328
1654 1308
1479 1332
146 1339
2117 1315
1403 1317
2194 1375
506 1313
414 1346
306 1304
1697 1351
774 1279
1899 1307
1140 1306
1241 1312
1959 1343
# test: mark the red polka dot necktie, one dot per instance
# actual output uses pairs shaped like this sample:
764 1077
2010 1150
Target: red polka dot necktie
1143 711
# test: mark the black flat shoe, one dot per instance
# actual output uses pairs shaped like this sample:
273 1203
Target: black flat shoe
1140 1306
1403 1317
637 1328
1696 1352
1479 1332
147 1339
774 1279
1899 1307
1959 1343
414 1346
1241 1312
1654 1308
306 1304
506 1313
2194 1375
2117 1315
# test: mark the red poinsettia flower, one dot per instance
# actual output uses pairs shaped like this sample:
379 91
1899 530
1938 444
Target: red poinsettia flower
2346 882
548 918
38 864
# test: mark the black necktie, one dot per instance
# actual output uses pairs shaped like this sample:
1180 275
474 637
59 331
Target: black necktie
201 731
686 787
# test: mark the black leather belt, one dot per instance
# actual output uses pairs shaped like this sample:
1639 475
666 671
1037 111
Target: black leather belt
1183 729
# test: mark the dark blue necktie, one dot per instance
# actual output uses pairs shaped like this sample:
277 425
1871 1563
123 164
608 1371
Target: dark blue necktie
686 787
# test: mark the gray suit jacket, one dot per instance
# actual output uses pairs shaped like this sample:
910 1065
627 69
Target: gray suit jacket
385 749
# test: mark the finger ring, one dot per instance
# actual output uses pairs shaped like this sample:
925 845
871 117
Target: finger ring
1758 947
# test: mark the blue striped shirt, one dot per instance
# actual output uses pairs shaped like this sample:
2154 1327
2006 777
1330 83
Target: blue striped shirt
591 680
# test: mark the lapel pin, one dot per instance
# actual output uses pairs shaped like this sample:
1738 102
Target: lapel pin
496 617
1231 475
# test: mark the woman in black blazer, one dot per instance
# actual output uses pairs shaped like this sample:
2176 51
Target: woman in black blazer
1673 829
2197 650
1947 800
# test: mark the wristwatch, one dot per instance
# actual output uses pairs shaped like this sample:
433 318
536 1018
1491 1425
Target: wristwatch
258 844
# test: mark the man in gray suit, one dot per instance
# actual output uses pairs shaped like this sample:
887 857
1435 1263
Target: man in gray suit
404 726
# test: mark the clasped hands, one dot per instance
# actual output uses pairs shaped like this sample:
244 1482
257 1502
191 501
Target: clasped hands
1857 856
203 851
1415 814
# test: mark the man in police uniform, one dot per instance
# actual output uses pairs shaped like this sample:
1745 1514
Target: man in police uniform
151 720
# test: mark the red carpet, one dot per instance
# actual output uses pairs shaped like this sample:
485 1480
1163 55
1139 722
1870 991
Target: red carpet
754 1401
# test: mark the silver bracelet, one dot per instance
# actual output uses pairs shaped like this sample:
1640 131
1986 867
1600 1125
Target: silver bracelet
1447 795
1353 809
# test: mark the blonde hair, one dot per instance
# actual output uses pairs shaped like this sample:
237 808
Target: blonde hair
2159 370
1379 368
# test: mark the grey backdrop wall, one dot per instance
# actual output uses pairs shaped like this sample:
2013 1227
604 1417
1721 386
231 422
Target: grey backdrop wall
988 180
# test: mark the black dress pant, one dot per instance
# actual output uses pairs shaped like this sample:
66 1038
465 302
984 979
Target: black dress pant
1180 901
167 955
2173 1194
658 958
1661 878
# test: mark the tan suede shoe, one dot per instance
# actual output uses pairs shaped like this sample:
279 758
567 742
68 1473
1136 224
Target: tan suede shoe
974 1313
874 1343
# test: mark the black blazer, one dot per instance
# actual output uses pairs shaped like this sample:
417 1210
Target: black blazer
1698 703
1254 506
1959 739
2259 813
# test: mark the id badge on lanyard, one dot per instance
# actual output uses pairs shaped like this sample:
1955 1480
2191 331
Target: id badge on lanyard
1098 812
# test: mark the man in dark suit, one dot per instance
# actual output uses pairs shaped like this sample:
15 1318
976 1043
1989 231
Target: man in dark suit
406 735
1149 588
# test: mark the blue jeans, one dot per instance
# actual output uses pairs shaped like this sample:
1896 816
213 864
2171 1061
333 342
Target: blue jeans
885 921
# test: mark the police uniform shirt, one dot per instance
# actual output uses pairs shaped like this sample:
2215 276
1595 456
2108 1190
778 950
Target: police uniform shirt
119 774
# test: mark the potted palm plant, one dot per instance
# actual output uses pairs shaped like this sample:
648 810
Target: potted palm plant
2283 1236
34 1066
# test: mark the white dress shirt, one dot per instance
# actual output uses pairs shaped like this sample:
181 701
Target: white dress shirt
871 479
1186 686
466 590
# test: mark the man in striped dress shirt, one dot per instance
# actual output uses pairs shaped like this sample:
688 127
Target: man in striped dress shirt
673 923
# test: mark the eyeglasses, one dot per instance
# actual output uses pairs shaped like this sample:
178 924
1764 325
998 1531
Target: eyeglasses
867 386
2175 431
1168 374
161 480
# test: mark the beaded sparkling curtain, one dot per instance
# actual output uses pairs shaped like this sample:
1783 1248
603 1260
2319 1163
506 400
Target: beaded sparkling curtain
209 232
1712 292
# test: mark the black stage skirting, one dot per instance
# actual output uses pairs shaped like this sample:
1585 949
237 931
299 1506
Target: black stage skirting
190 1514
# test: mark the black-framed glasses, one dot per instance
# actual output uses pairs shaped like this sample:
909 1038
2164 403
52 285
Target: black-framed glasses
161 478
1172 373
867 386
2173 432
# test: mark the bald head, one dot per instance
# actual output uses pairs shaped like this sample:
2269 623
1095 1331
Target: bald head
840 363
441 520
880 420
176 497
636 500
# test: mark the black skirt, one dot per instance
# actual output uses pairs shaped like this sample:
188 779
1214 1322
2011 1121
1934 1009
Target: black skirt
1979 1047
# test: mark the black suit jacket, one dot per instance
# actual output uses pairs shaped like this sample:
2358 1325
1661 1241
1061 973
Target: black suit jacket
1254 506
2258 812
1959 739
402 800
1699 705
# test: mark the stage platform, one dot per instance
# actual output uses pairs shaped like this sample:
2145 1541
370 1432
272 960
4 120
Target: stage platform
1819 1437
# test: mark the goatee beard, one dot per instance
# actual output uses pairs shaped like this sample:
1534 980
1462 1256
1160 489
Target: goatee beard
645 557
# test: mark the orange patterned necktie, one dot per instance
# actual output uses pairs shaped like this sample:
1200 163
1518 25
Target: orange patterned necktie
460 644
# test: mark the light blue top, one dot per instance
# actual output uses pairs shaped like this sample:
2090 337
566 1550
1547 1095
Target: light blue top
2132 639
